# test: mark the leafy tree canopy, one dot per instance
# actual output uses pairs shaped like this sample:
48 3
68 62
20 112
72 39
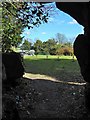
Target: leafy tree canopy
26 45
11 30
18 15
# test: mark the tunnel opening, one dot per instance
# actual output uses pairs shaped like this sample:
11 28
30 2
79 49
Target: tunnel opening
45 98
39 68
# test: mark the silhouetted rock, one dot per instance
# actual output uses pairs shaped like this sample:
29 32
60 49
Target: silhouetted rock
81 49
13 65
87 96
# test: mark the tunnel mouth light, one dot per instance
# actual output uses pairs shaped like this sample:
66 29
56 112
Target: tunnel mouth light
48 78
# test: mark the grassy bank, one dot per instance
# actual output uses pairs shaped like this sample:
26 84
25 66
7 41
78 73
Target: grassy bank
63 68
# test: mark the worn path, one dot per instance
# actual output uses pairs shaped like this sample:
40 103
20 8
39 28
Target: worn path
41 98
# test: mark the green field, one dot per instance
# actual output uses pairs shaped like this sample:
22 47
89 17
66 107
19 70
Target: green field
42 67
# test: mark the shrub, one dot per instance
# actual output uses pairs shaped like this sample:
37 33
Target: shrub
64 51
52 51
67 51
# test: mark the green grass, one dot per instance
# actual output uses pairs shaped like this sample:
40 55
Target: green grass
45 57
63 68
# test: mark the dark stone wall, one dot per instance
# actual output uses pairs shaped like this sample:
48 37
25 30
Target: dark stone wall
13 65
81 51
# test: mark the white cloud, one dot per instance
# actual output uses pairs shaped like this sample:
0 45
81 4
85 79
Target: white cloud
43 33
73 22
27 33
51 19
55 20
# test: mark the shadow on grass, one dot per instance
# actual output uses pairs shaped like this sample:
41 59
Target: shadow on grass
60 69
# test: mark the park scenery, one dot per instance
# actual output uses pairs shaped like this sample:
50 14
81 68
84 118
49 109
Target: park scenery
43 78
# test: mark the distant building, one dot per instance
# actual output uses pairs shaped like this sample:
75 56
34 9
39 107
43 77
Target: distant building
31 52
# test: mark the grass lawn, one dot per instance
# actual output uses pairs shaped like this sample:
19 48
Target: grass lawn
64 68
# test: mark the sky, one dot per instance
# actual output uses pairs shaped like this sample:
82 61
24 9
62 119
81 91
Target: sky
58 23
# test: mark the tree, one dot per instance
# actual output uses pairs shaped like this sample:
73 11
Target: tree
69 44
64 49
53 51
11 30
61 38
18 15
49 46
26 45
35 13
38 46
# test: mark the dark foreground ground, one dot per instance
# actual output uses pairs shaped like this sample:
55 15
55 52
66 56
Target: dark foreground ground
39 98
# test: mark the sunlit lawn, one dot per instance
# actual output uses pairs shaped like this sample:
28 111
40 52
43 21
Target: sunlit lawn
51 68
49 57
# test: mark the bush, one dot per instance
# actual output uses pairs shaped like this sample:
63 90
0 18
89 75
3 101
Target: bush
52 51
64 51
67 51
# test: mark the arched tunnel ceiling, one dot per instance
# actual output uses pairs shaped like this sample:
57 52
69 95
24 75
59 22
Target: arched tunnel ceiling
78 10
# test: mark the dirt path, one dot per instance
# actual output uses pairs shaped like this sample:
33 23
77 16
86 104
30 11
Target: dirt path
39 98
47 99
